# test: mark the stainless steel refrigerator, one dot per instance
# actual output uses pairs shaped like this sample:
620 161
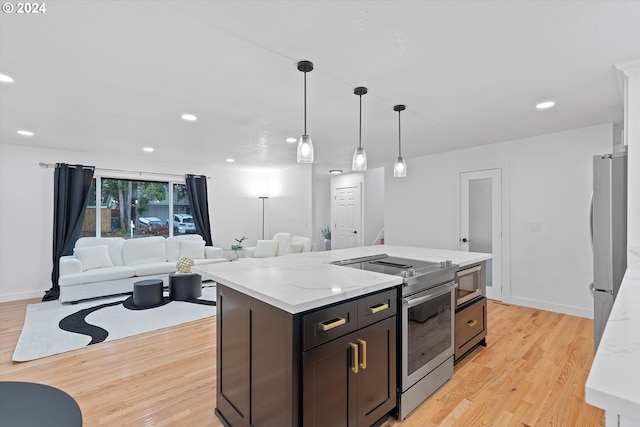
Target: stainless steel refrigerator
609 234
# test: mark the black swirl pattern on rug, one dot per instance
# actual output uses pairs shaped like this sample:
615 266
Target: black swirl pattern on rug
77 323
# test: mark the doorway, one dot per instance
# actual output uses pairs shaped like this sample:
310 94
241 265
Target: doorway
347 226
481 222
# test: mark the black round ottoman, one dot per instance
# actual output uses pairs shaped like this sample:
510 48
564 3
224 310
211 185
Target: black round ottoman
147 293
184 286
24 404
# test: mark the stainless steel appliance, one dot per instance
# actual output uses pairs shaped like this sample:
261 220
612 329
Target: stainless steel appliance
469 284
426 338
608 234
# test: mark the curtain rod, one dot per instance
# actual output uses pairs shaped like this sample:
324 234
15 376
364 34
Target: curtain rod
52 165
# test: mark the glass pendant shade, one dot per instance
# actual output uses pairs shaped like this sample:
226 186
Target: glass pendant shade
399 168
305 149
359 163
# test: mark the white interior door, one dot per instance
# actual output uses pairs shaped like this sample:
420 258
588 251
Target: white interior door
481 221
347 227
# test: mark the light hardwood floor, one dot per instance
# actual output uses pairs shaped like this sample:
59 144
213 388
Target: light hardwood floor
531 374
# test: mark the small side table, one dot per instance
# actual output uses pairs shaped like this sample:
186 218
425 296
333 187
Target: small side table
25 404
147 293
185 286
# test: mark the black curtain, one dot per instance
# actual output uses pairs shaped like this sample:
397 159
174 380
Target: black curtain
198 201
71 184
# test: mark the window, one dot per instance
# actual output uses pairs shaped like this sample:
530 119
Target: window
133 208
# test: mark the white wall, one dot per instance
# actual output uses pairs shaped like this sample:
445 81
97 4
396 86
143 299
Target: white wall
547 179
373 205
26 207
632 126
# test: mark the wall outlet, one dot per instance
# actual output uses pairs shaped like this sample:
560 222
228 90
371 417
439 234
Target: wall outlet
535 226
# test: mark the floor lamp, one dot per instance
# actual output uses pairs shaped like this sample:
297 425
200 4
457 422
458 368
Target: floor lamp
263 199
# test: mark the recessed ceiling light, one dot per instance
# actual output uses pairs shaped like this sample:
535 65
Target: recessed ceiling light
5 79
291 140
148 149
335 171
189 117
25 133
544 105
230 160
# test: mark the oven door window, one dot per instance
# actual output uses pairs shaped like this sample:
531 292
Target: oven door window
429 331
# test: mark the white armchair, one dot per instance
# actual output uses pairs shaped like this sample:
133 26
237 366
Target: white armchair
282 243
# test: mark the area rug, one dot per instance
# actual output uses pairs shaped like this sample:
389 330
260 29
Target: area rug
52 327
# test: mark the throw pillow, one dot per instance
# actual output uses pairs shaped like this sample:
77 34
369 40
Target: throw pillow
192 249
92 257
295 248
265 249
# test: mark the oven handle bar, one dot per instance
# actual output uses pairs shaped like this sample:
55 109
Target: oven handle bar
409 302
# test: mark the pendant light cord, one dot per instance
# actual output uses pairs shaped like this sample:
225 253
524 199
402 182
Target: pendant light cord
399 137
360 128
305 103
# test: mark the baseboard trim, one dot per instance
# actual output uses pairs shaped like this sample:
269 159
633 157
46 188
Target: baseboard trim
22 295
556 308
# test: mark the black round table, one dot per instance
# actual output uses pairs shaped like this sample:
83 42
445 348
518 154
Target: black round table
147 293
184 286
29 404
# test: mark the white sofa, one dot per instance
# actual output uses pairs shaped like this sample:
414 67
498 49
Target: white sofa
108 266
281 244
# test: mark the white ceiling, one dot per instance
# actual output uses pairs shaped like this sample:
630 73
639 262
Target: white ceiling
115 76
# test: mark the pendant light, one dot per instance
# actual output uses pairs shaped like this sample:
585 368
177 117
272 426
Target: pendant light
305 145
399 166
359 163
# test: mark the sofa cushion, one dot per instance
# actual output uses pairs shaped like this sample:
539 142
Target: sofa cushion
283 240
174 244
295 248
265 249
192 249
144 250
307 243
113 243
93 257
97 275
152 268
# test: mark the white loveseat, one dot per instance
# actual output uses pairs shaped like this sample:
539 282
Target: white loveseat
281 244
108 266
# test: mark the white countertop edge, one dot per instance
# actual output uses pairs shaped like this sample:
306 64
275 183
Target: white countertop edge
310 305
613 383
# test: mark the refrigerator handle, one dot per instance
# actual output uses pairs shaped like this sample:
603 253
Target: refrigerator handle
591 219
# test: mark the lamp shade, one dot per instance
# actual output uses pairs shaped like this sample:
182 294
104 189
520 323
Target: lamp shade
305 149
399 168
359 163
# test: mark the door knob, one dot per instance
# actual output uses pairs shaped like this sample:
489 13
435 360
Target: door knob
464 240
354 232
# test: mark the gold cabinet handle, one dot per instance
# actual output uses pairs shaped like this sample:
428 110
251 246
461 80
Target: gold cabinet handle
354 357
378 308
327 325
363 354
472 323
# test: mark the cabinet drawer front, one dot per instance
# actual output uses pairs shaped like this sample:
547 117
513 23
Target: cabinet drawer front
374 308
470 322
329 323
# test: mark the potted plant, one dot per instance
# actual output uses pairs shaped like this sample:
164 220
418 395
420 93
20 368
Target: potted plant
326 233
239 245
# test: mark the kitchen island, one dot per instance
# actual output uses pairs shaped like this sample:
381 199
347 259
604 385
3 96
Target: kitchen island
280 323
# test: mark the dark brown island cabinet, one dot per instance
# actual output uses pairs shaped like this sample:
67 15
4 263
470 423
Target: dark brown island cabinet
330 366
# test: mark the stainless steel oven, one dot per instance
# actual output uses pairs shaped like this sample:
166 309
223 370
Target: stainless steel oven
427 323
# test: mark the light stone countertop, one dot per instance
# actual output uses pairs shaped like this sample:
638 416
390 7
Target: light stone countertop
614 380
301 282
